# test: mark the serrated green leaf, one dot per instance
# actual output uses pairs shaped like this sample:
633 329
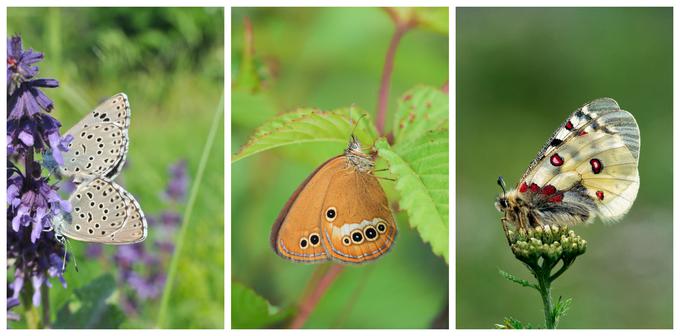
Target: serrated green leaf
309 125
251 311
517 280
90 310
420 110
422 171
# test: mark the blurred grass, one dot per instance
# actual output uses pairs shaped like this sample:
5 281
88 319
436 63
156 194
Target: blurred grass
169 61
327 58
520 73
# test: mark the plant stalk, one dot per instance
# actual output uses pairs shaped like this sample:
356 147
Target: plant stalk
384 92
309 302
544 287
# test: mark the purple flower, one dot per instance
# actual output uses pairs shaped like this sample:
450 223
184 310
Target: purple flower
33 252
28 128
179 181
32 202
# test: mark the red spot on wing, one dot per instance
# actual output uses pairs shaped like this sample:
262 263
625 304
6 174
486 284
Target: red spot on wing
534 187
556 199
582 133
596 166
600 194
556 160
523 187
569 125
548 190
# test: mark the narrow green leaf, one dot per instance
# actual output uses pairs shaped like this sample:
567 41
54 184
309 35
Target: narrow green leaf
89 309
420 110
308 125
517 280
251 311
422 171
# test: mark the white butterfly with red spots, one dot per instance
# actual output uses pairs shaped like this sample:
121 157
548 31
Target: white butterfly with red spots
587 169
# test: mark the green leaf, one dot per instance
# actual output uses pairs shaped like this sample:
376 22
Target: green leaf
251 311
512 323
420 110
308 125
435 19
517 280
561 308
89 309
422 171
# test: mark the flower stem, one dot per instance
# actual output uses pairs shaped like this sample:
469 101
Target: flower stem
45 303
546 294
309 302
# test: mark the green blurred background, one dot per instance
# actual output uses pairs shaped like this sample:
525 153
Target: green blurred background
327 58
170 62
520 73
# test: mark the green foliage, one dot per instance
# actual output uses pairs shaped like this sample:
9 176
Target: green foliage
521 282
251 311
561 308
90 308
512 323
421 168
308 125
433 18
420 110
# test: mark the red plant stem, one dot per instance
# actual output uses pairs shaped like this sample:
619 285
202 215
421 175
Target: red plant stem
309 302
384 93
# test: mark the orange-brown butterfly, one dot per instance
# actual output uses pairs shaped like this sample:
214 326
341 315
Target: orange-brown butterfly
340 213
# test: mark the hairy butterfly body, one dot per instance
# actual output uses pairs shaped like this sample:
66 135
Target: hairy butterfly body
102 211
587 169
339 213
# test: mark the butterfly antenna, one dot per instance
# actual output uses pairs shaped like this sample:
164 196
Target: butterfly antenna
501 183
358 120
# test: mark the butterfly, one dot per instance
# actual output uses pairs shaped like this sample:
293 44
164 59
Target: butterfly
587 169
339 213
102 211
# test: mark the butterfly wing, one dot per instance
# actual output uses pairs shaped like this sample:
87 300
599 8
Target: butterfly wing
135 228
592 156
298 221
361 227
104 212
100 141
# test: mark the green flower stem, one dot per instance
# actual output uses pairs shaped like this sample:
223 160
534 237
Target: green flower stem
544 287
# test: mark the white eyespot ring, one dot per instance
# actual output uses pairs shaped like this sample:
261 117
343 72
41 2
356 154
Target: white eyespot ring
314 239
346 241
331 214
304 243
381 226
370 233
357 236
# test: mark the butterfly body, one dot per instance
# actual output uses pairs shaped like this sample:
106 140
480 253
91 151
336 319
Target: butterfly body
340 213
587 169
102 211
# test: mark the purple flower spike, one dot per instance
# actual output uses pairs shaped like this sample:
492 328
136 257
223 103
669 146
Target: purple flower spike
33 252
